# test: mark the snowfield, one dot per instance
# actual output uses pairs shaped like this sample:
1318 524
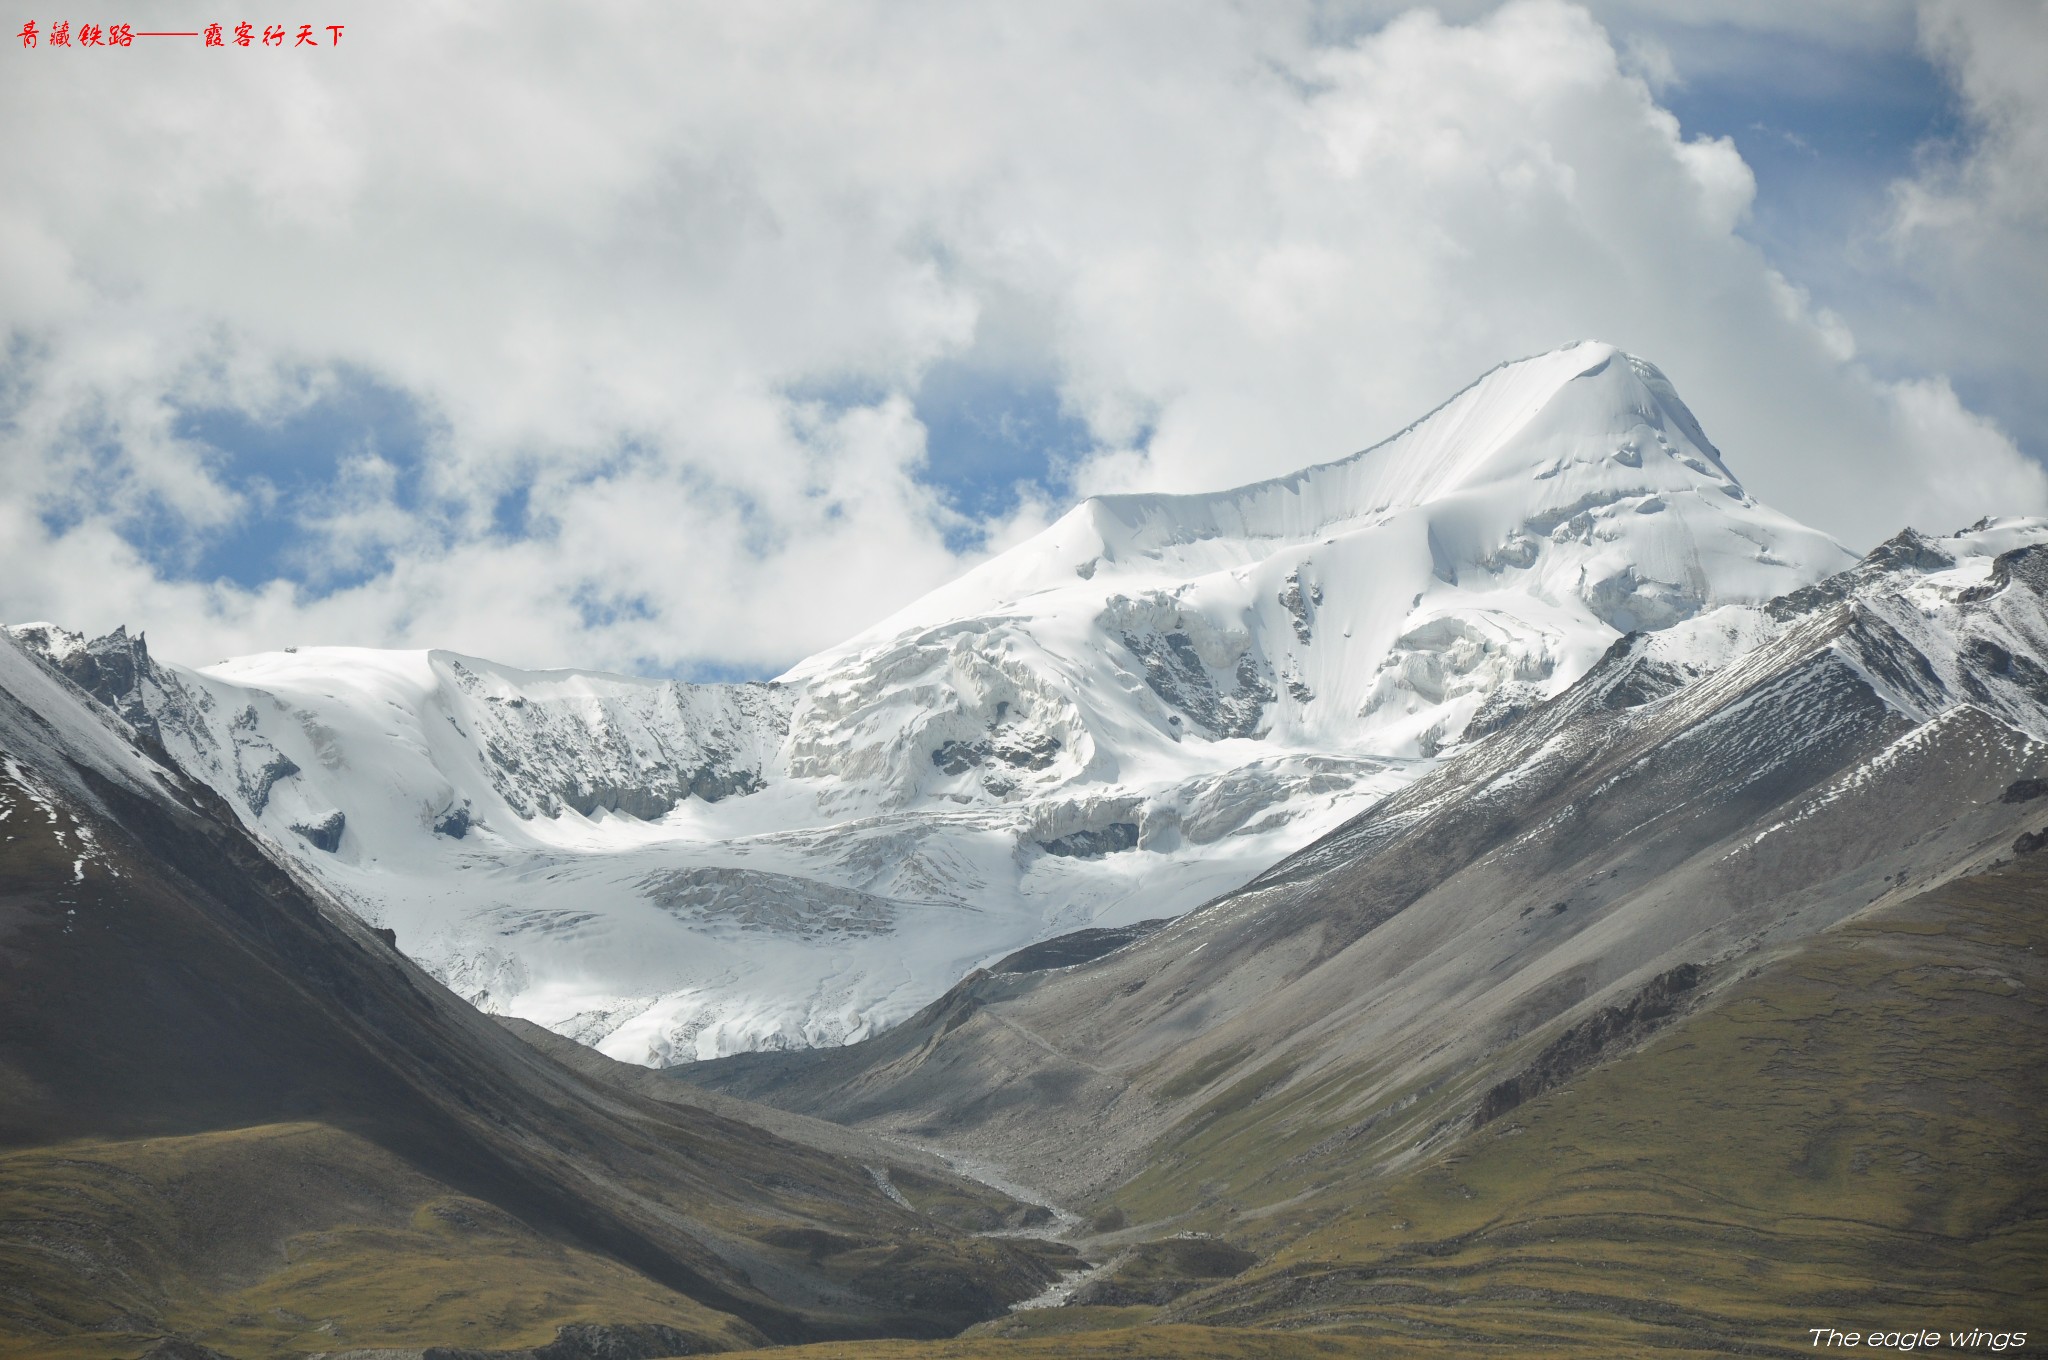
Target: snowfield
1139 709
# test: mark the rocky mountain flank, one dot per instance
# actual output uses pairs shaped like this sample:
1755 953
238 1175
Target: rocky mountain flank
234 1115
1699 1002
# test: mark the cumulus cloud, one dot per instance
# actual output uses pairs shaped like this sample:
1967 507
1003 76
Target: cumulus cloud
660 285
1969 231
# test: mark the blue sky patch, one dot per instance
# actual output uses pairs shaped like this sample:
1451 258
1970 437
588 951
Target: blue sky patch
290 466
990 433
600 610
1824 131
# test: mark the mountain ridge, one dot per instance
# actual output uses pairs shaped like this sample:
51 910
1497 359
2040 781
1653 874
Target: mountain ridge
1113 722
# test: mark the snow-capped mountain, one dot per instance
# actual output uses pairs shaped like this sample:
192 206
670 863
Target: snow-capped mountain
1138 709
1701 807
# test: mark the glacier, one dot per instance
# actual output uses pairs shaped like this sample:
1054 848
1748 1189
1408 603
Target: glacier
1139 709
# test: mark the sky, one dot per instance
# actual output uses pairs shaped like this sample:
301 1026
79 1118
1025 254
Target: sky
688 338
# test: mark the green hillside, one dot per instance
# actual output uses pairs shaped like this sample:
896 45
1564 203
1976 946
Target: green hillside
284 1239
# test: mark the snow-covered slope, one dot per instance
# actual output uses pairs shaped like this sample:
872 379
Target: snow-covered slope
1140 708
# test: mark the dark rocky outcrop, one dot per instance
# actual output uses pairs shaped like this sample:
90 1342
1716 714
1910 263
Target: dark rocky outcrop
1299 604
325 832
256 789
1175 671
182 1348
1909 550
632 1341
1093 844
1601 1036
713 782
573 1341
2028 566
1157 1273
1019 751
111 669
1079 946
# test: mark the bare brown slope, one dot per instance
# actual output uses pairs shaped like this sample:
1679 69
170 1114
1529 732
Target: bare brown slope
162 978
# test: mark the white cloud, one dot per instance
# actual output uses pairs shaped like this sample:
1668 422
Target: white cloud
1976 461
1970 230
609 256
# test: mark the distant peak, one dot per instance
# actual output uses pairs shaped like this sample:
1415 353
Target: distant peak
1552 428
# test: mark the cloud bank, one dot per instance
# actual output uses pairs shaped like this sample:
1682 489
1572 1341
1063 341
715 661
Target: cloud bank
601 339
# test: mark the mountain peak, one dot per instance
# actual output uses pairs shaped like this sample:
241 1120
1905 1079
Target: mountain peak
1586 445
1586 419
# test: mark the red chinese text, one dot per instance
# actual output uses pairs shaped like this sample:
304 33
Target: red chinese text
63 33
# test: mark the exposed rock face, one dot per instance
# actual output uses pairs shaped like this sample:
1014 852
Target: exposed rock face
712 782
111 669
1908 550
1587 1042
637 750
1016 746
1299 604
116 670
325 832
182 1348
1094 843
618 1341
259 766
2028 566
1209 675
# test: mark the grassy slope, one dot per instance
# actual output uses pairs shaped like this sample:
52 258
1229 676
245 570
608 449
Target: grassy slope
1850 1136
311 1239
